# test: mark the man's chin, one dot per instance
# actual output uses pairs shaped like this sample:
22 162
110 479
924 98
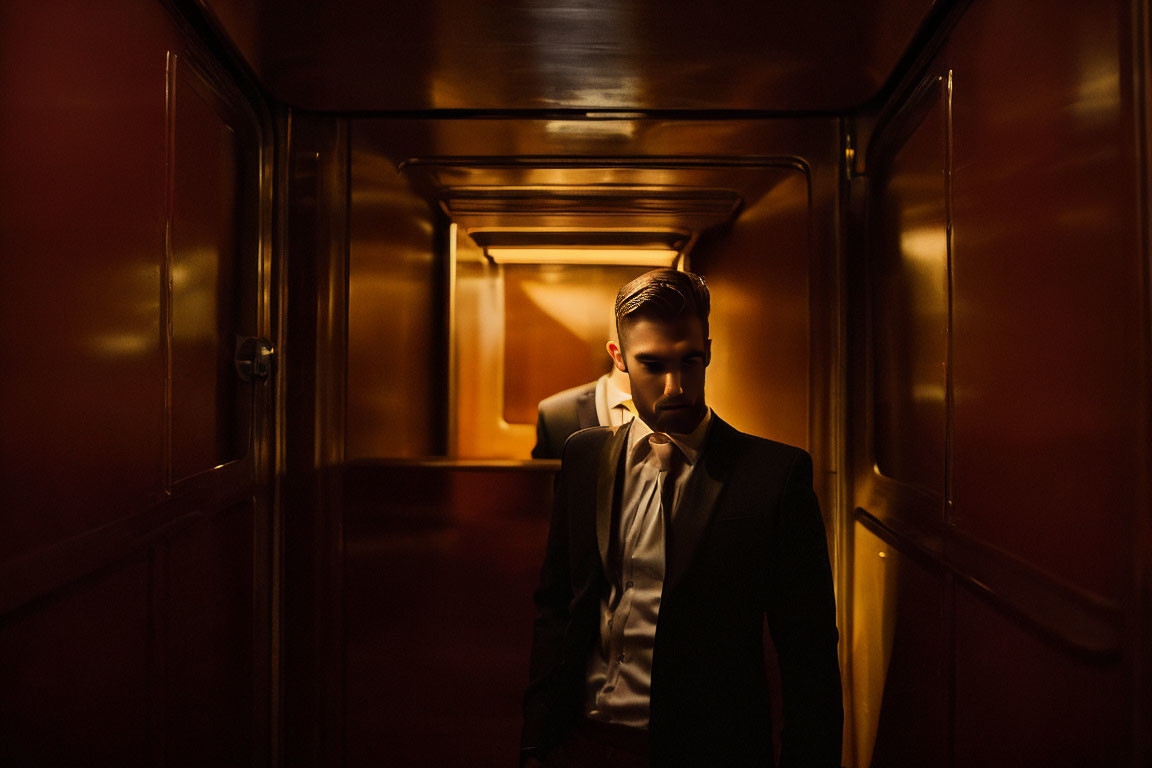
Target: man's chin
680 421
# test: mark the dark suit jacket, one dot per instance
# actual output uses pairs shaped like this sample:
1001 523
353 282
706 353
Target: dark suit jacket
562 414
748 542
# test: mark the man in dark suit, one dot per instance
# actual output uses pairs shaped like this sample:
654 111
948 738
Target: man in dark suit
671 539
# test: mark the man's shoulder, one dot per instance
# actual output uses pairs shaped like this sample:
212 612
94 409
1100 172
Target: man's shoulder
759 450
588 440
582 452
776 448
567 396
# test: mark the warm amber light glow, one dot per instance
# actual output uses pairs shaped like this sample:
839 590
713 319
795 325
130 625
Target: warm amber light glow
640 257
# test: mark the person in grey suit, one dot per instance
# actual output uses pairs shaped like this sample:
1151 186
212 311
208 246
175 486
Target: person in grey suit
605 402
672 538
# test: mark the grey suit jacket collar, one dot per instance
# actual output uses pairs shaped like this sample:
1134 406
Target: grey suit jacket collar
697 504
586 409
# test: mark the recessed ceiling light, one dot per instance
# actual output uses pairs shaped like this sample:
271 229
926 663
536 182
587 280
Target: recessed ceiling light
615 115
641 257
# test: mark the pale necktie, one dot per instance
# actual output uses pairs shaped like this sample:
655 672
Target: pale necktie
666 454
648 524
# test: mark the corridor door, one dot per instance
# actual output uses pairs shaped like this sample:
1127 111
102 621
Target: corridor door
136 537
218 688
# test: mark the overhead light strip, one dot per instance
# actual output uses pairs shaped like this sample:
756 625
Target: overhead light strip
641 257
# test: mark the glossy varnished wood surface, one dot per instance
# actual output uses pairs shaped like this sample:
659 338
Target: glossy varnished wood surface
542 54
440 564
135 622
1009 483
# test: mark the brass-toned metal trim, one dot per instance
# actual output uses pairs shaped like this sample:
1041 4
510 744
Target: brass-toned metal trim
166 261
637 200
524 465
949 326
453 422
927 43
895 126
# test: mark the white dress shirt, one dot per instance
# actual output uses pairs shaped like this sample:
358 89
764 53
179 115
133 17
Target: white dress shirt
619 674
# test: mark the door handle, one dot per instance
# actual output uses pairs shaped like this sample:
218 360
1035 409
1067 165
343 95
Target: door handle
253 358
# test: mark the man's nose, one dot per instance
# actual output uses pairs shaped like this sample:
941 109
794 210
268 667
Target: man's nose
672 385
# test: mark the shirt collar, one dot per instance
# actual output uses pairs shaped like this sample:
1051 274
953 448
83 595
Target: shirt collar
613 395
690 445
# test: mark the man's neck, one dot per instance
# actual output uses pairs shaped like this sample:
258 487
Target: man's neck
619 380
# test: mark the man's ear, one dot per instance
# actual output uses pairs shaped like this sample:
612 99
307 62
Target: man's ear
617 356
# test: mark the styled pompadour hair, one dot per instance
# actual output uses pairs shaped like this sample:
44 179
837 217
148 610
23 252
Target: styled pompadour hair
664 294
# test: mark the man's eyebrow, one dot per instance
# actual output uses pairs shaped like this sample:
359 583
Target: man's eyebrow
650 358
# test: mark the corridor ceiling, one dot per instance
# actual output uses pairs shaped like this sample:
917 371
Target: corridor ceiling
603 123
374 56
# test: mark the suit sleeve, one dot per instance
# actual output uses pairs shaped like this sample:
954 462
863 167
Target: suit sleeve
551 598
801 611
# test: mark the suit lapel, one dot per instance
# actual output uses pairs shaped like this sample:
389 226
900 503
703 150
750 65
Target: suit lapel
586 410
698 502
606 489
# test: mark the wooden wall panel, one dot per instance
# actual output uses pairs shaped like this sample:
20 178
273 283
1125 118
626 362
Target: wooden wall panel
1041 297
77 671
759 274
1022 700
82 148
209 639
441 563
1048 323
397 314
909 300
210 413
901 671
133 162
477 427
